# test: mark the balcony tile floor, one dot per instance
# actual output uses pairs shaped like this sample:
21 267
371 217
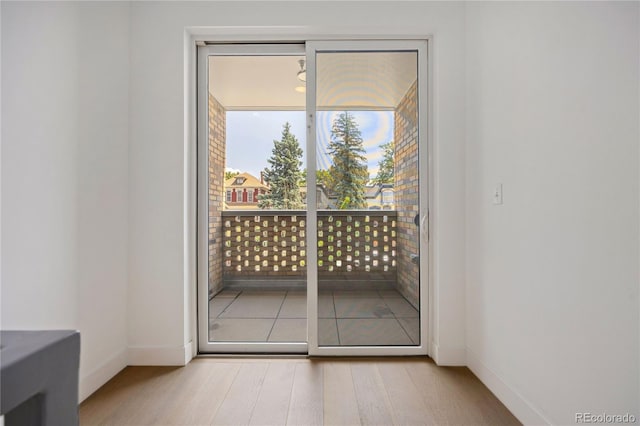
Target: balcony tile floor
346 318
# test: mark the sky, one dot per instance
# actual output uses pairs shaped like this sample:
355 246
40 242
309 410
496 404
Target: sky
250 136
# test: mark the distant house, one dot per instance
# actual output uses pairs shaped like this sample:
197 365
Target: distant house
241 191
378 197
323 200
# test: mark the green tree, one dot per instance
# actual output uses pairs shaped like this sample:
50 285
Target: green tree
284 174
385 166
228 175
349 163
326 178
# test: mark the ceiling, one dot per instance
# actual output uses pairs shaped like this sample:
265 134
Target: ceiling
354 80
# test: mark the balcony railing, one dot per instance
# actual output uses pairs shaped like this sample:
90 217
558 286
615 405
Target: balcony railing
352 244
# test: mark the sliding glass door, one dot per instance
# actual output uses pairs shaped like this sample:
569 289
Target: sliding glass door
367 265
313 239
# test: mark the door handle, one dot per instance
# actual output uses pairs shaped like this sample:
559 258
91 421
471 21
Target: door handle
421 224
424 225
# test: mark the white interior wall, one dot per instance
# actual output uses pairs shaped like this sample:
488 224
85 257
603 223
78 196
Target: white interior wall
39 176
549 275
64 176
102 221
552 276
157 332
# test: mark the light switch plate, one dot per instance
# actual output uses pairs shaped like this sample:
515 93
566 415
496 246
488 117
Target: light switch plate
497 194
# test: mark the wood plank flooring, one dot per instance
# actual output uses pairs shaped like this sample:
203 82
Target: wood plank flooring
296 391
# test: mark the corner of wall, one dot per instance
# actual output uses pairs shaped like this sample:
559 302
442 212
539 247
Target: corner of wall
161 355
510 397
449 356
102 374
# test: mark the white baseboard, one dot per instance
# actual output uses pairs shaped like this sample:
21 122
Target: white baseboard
101 375
160 355
510 397
189 352
449 356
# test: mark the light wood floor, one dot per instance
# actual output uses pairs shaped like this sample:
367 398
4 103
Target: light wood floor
373 391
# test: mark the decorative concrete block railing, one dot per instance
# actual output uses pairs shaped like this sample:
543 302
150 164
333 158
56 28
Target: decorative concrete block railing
359 245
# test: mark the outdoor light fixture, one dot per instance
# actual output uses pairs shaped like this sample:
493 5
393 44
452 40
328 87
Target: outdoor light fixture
302 74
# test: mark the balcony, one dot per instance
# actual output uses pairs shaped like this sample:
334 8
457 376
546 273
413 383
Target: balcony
363 299
355 248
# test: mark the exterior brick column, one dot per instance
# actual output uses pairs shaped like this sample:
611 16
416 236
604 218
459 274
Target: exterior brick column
406 193
217 150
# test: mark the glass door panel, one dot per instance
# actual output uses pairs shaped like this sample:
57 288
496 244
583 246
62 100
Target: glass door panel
253 199
368 199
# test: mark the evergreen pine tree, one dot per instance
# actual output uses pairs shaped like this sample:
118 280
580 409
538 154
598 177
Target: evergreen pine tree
386 168
349 163
284 174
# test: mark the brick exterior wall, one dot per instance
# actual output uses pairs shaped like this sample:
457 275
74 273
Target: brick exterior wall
357 245
260 244
356 248
406 193
217 149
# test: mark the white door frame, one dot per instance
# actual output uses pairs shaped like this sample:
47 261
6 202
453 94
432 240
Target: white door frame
424 118
204 52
